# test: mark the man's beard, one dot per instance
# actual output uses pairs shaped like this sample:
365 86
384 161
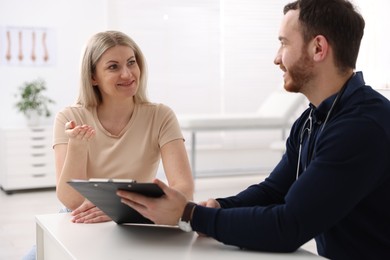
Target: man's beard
300 73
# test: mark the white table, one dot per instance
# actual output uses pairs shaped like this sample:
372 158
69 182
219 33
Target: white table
58 238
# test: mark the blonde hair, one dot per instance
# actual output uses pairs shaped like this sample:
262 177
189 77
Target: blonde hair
90 95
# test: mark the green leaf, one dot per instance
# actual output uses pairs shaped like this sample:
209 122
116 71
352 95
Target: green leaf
31 98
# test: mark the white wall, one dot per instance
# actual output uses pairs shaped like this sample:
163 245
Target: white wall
204 56
180 40
374 57
73 22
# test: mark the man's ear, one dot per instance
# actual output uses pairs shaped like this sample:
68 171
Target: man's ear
320 48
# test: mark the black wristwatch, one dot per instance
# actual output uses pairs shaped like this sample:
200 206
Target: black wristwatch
185 220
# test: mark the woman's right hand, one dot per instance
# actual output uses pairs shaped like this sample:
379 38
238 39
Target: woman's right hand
79 132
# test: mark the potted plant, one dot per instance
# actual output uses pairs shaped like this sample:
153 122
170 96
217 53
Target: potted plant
32 101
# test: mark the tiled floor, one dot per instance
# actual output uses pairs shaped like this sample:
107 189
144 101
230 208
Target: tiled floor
17 211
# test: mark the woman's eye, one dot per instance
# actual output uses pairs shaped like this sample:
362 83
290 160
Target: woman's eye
131 62
113 67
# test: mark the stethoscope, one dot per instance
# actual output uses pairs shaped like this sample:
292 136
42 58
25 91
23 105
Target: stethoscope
309 120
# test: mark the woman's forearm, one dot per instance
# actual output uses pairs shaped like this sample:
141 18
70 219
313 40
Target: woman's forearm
186 188
74 167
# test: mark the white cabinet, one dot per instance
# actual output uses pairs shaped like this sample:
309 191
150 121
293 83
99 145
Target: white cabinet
26 158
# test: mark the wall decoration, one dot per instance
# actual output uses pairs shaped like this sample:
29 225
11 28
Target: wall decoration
27 46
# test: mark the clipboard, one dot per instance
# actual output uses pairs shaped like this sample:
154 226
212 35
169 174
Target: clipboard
102 193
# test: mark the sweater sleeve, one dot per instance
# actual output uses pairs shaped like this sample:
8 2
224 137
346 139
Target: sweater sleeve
281 214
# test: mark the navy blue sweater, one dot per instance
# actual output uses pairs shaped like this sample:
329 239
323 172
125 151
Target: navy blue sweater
342 198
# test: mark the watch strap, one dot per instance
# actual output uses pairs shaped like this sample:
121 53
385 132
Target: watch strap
188 211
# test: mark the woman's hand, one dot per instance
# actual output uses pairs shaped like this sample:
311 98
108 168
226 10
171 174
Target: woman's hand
79 132
88 213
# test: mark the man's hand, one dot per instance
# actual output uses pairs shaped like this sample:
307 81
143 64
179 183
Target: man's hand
210 203
89 213
165 210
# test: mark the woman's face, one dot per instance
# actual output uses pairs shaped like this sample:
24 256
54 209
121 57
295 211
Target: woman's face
117 74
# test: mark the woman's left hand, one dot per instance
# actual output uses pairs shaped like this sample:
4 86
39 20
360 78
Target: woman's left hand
89 213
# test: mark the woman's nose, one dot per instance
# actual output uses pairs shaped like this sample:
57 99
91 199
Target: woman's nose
126 72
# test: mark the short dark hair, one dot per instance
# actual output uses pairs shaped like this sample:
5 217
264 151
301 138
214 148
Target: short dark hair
338 21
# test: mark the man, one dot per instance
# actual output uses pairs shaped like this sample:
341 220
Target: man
333 182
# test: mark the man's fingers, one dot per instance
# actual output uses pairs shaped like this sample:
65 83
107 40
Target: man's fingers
212 203
133 197
165 188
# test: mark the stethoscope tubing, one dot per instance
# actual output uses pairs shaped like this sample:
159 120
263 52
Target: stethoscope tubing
309 119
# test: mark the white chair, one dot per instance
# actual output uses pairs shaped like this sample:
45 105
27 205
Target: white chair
275 113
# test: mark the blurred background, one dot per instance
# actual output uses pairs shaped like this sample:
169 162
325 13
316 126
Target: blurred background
204 56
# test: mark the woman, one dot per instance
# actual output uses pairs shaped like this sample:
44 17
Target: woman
114 131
